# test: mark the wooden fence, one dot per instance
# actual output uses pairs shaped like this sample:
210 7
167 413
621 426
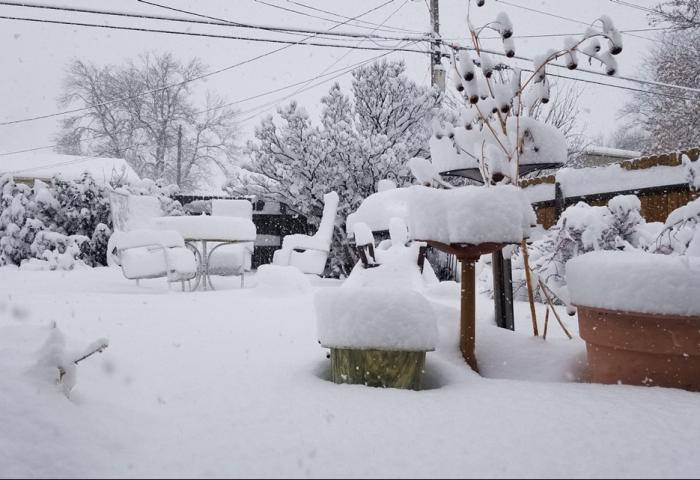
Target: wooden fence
658 202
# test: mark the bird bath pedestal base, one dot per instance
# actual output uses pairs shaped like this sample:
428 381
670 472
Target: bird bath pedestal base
468 255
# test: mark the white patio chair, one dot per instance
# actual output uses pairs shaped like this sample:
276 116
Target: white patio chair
130 213
148 254
310 254
232 260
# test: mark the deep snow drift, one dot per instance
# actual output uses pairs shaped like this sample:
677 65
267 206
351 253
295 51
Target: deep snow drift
233 383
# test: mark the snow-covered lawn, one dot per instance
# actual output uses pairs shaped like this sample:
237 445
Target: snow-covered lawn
234 384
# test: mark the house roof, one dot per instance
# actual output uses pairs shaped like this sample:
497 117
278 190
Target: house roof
45 166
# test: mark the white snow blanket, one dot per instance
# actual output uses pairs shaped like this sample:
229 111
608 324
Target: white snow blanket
636 282
377 210
470 215
232 208
376 319
209 228
548 145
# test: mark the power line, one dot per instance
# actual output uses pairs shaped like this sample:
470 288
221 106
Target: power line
636 7
394 29
279 7
205 35
556 34
344 70
212 22
576 21
288 45
592 72
356 46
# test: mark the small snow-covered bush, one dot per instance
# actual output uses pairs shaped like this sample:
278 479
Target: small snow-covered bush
583 229
682 233
692 172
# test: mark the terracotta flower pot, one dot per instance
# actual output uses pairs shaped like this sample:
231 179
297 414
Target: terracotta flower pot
642 349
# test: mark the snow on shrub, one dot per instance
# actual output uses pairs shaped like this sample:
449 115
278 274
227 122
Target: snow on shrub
692 172
681 235
583 229
66 224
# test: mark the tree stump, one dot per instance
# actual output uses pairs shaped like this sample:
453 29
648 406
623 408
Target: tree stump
378 368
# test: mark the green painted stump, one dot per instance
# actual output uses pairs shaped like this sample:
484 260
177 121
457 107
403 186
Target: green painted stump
378 368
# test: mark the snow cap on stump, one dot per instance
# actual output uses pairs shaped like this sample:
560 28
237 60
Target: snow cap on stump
395 319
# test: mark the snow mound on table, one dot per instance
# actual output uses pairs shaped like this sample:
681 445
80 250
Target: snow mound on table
376 319
377 210
636 282
282 280
470 215
209 228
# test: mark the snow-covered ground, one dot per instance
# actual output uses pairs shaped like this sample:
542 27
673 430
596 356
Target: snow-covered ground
234 384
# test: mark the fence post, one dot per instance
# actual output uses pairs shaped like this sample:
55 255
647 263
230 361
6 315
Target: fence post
503 291
559 200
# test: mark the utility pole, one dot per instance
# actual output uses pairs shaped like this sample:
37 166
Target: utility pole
179 156
437 69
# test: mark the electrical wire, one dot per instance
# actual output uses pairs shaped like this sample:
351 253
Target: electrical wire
577 21
578 34
277 29
356 47
392 29
592 72
343 71
205 35
279 7
167 87
211 22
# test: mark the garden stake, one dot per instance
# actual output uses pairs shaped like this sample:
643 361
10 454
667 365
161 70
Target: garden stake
526 257
544 289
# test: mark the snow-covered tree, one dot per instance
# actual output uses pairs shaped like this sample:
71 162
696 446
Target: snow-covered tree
360 141
682 14
153 101
670 116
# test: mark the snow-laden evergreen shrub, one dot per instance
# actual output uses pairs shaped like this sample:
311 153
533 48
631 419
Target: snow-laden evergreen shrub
66 224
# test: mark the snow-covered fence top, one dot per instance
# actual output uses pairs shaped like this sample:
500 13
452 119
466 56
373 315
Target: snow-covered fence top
660 181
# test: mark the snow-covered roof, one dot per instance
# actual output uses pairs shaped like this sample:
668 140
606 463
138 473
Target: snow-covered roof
45 166
612 152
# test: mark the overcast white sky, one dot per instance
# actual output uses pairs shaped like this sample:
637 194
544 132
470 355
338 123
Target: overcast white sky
33 56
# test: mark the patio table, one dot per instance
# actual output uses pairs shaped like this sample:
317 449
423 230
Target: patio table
205 229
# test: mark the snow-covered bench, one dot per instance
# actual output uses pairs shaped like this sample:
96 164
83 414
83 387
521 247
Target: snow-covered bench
310 254
148 254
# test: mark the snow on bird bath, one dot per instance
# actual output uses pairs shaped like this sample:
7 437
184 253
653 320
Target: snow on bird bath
470 215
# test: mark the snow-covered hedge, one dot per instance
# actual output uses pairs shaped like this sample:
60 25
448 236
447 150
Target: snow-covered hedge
63 225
